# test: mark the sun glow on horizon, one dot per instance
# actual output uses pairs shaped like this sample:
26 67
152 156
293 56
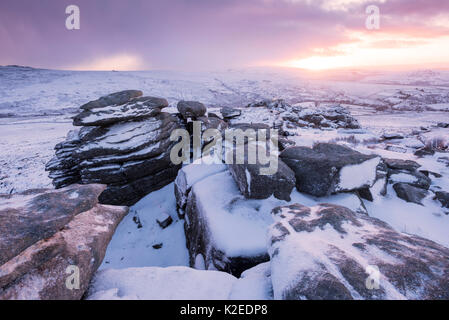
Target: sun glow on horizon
374 53
121 62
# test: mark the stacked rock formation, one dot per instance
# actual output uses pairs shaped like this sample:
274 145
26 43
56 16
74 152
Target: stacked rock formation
124 142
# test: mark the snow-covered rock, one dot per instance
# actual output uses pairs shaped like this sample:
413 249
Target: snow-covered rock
180 283
225 229
229 113
154 283
443 198
131 154
191 174
329 168
253 185
135 109
49 235
331 252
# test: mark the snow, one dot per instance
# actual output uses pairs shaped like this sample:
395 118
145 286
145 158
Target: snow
35 111
306 251
133 247
356 176
153 283
427 221
237 226
254 284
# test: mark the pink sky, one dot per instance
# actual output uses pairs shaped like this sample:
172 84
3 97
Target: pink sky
217 34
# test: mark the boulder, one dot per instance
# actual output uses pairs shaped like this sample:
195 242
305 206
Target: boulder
117 98
330 168
410 193
135 109
443 198
426 151
254 185
402 164
223 229
392 136
53 235
230 113
413 178
330 252
188 176
191 109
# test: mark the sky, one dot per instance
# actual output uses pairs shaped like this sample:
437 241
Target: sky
221 34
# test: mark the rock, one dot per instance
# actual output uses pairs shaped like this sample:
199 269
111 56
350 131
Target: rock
395 148
253 185
117 98
333 117
188 176
222 228
132 157
212 123
285 143
131 192
424 152
443 124
38 214
214 115
191 109
402 164
428 173
135 109
444 160
56 233
230 113
392 136
164 220
410 193
330 252
413 178
443 198
158 246
330 168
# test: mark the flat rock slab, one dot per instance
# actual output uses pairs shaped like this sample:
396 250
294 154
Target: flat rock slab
135 109
42 271
34 215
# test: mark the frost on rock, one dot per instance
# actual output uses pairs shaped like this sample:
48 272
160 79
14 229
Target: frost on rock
191 174
123 143
327 252
228 230
328 168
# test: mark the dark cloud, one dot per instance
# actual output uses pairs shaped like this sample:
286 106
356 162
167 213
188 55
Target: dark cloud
188 34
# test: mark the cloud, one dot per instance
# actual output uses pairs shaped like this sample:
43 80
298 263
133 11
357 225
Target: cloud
203 34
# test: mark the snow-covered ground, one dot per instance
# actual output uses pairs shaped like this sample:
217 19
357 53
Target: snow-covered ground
35 114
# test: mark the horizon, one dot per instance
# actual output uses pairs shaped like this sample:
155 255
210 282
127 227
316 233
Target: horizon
177 35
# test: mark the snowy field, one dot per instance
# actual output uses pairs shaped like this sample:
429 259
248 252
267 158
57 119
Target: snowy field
36 107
